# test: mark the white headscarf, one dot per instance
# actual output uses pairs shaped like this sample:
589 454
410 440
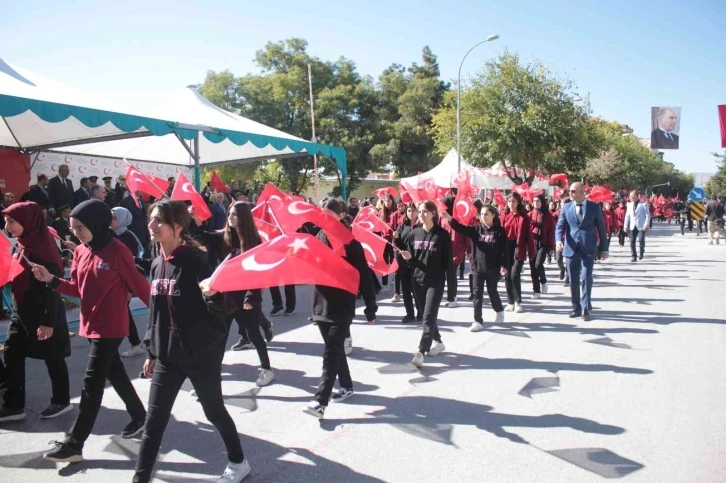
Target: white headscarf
124 219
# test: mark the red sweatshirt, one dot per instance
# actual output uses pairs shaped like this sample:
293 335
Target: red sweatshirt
396 219
620 217
102 281
542 228
609 219
516 227
459 242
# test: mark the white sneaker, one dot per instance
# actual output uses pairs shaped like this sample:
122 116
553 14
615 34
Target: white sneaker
535 296
395 298
235 472
509 308
452 304
134 351
418 360
518 308
265 377
710 242
476 327
544 288
348 345
437 348
500 318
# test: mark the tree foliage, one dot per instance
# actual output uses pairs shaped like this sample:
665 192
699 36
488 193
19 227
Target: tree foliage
716 186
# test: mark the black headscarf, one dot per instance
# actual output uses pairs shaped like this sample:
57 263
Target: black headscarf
96 216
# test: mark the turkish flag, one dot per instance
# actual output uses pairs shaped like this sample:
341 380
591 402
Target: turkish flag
374 246
464 209
10 267
291 215
295 259
405 197
373 224
722 122
557 178
499 199
388 191
600 194
161 183
217 183
557 194
272 193
267 231
138 181
184 191
463 181
365 212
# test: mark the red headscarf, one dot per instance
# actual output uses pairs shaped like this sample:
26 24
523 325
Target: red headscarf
36 242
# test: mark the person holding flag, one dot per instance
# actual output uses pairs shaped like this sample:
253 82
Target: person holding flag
38 327
185 337
404 274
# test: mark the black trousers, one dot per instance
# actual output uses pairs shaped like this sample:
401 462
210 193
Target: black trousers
388 257
451 282
513 279
133 332
405 274
428 300
205 375
335 363
491 280
289 297
639 236
621 237
15 356
462 267
537 269
249 326
376 283
103 363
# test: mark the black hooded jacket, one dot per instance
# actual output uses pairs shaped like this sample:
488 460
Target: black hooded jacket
489 246
183 324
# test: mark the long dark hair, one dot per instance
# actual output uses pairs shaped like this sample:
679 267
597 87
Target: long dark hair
172 213
521 210
491 209
408 220
543 204
386 212
431 208
246 230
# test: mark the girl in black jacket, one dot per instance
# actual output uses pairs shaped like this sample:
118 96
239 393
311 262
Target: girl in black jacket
429 256
185 338
38 328
489 260
405 274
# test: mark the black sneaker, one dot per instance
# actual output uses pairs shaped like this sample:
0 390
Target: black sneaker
288 312
133 428
471 298
562 274
408 319
315 409
419 317
55 410
242 343
342 395
275 311
269 332
63 453
11 414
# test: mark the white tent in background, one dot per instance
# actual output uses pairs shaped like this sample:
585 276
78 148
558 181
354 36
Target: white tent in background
178 127
444 175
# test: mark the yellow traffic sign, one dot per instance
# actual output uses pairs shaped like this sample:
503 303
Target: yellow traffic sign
698 211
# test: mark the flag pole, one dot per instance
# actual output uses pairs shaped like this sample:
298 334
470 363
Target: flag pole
315 139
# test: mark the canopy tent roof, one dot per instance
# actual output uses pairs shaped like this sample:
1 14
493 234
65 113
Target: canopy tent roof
40 114
444 175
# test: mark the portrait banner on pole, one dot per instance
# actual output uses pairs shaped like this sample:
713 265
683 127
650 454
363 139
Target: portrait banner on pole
665 125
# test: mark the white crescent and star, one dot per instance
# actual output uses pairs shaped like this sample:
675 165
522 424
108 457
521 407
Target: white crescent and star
81 168
188 188
367 225
298 244
466 205
294 210
264 235
368 248
94 162
105 171
68 160
253 265
115 163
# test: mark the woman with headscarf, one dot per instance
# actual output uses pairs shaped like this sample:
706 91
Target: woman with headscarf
38 328
121 219
102 275
541 242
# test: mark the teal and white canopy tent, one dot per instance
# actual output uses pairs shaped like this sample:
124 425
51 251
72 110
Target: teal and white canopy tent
178 127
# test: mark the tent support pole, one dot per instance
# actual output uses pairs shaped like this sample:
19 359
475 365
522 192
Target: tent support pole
197 171
12 134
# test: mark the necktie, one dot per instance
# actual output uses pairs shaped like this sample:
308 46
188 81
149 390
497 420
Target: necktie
668 136
578 209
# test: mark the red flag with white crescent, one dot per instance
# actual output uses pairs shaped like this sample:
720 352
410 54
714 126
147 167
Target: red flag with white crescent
138 181
499 199
267 231
464 209
184 191
291 215
10 266
217 183
160 183
387 191
295 259
374 246
373 224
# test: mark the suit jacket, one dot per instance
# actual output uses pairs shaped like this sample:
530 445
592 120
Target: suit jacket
37 195
138 220
60 193
219 215
658 140
580 235
80 196
63 228
637 216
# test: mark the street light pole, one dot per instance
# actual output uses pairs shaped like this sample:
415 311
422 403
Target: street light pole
458 99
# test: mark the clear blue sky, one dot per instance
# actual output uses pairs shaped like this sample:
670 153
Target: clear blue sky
628 55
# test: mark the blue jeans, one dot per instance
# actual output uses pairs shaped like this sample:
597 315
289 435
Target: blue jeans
579 267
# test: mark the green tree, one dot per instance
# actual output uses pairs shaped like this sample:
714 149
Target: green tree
716 186
521 114
220 88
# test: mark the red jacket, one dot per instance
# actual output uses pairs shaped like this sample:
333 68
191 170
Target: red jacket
609 219
516 227
396 219
620 217
102 281
544 224
459 242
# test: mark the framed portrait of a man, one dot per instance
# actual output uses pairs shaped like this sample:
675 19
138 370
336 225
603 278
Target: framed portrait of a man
665 127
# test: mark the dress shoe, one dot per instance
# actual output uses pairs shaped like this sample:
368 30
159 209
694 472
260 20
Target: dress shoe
633 259
586 316
575 314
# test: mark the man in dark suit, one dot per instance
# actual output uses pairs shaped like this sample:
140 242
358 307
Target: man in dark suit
138 218
219 214
576 226
61 224
663 137
83 193
38 193
60 189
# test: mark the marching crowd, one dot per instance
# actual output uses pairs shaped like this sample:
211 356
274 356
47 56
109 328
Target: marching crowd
117 245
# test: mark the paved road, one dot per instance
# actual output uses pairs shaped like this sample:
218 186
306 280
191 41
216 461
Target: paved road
637 393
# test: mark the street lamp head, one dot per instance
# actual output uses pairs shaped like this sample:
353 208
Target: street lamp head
492 37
